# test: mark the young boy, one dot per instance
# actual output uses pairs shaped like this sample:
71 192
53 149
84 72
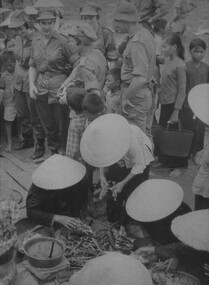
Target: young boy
113 94
9 98
77 125
87 107
93 106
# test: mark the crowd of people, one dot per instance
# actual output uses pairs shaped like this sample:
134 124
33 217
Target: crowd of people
93 101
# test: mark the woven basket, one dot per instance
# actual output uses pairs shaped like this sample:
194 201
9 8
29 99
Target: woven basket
175 142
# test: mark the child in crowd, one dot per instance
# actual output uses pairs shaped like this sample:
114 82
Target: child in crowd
160 29
197 73
172 91
77 124
113 94
87 107
93 106
9 98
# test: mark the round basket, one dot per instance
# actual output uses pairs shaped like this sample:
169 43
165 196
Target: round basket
43 262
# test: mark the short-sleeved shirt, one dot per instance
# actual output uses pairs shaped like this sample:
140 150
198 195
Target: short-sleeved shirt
7 83
139 154
92 70
139 57
147 8
49 60
106 43
22 53
75 132
112 101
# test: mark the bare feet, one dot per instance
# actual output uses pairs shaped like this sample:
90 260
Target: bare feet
8 148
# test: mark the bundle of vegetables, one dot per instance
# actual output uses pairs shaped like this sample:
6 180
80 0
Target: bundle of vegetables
121 242
83 245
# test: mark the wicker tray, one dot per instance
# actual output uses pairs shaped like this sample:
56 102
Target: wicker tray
176 278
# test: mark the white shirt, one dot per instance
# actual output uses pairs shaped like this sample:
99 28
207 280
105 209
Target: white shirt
139 154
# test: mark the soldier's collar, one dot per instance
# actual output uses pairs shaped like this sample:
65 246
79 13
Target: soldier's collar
135 32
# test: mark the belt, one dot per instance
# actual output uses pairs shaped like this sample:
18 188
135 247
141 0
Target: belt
51 74
126 85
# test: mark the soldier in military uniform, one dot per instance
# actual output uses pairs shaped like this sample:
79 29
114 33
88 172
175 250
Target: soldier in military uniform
92 66
150 10
90 14
138 65
49 54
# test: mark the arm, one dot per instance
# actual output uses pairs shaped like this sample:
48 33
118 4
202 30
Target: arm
181 87
34 201
32 78
89 78
171 250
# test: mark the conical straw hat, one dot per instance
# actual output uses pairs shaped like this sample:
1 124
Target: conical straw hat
106 140
193 229
112 269
154 200
30 10
199 102
48 3
58 172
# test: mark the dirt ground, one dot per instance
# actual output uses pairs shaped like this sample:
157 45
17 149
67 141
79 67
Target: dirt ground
198 19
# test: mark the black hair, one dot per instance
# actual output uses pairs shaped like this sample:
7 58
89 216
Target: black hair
8 55
174 39
159 24
75 98
116 73
93 103
197 43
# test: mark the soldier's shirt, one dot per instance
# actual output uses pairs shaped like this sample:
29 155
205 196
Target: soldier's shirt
49 60
106 43
92 70
139 57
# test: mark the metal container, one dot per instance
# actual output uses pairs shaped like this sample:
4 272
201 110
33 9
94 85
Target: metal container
43 262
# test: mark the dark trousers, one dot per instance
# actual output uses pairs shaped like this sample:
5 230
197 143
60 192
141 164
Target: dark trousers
28 117
201 203
170 161
116 209
55 120
23 113
196 126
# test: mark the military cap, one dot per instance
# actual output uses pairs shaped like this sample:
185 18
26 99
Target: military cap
80 31
126 12
90 9
47 3
47 14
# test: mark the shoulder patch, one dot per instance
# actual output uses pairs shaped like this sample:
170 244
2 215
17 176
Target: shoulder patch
108 29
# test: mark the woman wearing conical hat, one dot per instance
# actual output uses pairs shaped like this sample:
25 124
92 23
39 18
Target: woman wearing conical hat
58 192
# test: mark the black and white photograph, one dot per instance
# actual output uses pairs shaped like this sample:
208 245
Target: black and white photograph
104 142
